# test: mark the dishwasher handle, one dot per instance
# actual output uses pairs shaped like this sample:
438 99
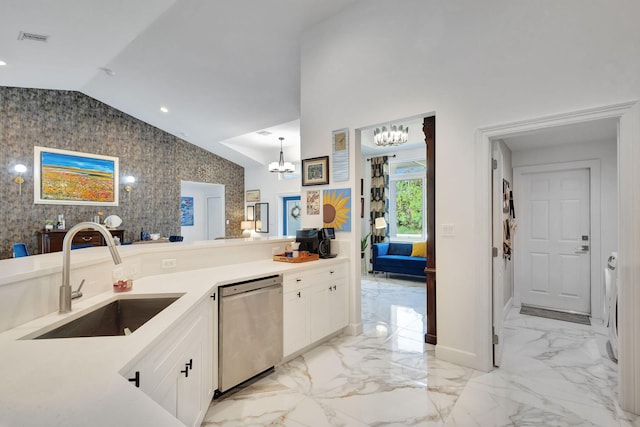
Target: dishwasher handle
250 285
254 292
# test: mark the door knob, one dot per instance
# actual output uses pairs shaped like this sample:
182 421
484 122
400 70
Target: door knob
583 248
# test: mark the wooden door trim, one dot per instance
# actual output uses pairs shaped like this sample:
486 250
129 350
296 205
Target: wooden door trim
429 129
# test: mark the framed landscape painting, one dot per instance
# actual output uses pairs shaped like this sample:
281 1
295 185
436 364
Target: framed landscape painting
64 177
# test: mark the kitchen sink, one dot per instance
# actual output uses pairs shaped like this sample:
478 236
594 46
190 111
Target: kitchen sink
112 319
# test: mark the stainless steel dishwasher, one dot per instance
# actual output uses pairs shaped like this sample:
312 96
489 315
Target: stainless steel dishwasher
250 330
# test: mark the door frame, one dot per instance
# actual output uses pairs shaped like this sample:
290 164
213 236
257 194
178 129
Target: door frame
595 237
628 115
283 202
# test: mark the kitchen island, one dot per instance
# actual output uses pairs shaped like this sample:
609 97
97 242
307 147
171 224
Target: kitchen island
85 381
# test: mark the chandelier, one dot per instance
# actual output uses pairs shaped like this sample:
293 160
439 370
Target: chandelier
281 166
395 135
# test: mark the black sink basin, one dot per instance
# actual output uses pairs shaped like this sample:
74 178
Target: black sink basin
112 319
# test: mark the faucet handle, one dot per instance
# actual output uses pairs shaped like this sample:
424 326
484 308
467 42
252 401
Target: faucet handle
77 293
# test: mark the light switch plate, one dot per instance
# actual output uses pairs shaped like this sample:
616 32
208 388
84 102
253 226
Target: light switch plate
448 230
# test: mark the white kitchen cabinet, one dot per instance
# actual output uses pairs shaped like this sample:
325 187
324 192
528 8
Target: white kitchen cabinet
296 334
339 298
295 316
329 301
178 372
315 305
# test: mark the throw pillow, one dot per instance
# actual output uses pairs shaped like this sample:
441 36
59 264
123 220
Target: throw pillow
419 249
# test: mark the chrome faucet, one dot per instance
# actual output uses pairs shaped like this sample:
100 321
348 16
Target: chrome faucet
65 289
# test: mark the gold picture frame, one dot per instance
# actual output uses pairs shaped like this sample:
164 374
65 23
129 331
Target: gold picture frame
253 196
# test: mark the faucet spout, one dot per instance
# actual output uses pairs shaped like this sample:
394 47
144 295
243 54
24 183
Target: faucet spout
65 287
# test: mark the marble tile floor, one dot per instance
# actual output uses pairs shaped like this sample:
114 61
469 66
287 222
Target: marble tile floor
553 374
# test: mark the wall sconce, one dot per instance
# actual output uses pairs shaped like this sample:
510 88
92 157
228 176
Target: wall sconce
247 227
20 169
129 180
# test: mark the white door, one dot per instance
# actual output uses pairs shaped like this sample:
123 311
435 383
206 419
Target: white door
553 267
497 239
215 218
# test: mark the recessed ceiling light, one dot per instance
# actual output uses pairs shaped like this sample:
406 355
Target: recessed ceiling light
263 132
164 109
2 63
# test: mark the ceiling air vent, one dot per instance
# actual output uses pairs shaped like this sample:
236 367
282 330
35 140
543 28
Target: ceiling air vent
264 132
33 37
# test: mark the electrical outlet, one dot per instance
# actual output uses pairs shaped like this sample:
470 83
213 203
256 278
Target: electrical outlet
169 263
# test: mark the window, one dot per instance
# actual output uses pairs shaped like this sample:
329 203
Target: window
407 209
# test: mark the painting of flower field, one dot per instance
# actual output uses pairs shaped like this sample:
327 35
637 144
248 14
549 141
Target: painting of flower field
69 177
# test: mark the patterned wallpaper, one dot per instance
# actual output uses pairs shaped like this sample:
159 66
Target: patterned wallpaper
72 121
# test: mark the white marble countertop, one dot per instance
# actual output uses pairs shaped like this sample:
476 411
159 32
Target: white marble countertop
76 381
16 269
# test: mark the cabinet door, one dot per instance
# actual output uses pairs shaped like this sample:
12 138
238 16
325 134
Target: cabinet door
320 321
189 406
339 305
295 321
212 357
182 389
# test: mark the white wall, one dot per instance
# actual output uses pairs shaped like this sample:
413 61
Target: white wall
473 64
272 189
200 191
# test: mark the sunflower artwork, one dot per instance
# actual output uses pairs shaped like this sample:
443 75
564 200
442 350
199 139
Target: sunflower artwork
336 209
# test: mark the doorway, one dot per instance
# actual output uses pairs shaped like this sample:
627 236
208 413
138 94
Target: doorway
208 211
627 118
215 218
291 215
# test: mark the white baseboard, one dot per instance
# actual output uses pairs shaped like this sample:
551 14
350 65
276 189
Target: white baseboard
353 329
459 357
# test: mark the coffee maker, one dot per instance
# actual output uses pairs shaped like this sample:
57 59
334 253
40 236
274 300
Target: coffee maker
316 241
325 235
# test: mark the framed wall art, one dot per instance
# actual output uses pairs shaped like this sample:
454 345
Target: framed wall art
313 202
315 171
253 196
63 177
336 209
186 211
340 145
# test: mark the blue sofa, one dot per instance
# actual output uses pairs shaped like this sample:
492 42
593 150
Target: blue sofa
390 257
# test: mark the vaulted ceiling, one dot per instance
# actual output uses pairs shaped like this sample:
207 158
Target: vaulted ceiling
223 69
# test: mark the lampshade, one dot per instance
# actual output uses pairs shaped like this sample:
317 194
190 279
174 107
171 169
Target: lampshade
380 223
246 227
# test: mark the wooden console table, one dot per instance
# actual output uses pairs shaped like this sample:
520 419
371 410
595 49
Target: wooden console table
51 240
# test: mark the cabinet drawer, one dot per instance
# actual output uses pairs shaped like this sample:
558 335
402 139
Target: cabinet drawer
337 272
93 238
294 282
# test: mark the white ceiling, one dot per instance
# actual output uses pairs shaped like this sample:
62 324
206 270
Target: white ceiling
224 69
